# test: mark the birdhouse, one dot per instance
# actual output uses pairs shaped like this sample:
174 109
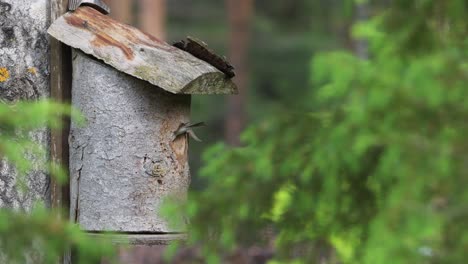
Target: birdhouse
135 92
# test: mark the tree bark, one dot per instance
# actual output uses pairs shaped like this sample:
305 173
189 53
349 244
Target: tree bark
125 160
152 17
138 54
24 53
239 15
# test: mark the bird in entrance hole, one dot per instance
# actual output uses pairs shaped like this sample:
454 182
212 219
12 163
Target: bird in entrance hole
187 128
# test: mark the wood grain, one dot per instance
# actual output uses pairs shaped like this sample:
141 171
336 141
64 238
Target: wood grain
60 89
139 54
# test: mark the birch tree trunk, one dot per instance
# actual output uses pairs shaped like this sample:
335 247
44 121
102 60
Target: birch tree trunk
24 55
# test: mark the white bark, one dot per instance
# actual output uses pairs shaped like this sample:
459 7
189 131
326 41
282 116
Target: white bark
24 51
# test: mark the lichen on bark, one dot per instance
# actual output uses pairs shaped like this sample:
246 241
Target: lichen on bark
24 53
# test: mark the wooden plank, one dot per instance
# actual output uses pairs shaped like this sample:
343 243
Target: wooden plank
139 54
141 248
60 91
141 239
60 88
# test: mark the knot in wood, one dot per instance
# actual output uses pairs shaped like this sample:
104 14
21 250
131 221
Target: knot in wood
154 168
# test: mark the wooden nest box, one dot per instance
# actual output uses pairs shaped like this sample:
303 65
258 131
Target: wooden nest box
134 91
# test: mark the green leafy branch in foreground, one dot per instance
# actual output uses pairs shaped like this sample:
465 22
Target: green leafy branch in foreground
40 235
373 170
18 120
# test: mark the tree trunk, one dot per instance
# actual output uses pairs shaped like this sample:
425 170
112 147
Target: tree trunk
152 17
239 15
121 10
125 160
24 54
361 45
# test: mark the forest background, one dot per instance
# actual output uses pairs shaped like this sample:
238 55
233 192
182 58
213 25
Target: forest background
347 143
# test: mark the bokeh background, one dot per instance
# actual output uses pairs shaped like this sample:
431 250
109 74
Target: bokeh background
270 43
347 143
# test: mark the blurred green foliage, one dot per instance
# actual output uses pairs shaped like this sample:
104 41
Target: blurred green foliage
41 237
17 121
284 35
370 166
38 236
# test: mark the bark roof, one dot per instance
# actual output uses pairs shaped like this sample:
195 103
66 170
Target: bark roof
177 70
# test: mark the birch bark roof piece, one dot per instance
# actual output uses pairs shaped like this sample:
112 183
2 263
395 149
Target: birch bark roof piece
139 54
200 50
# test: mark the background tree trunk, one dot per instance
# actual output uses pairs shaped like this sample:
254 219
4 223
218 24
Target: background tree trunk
361 45
240 13
121 10
24 53
152 17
